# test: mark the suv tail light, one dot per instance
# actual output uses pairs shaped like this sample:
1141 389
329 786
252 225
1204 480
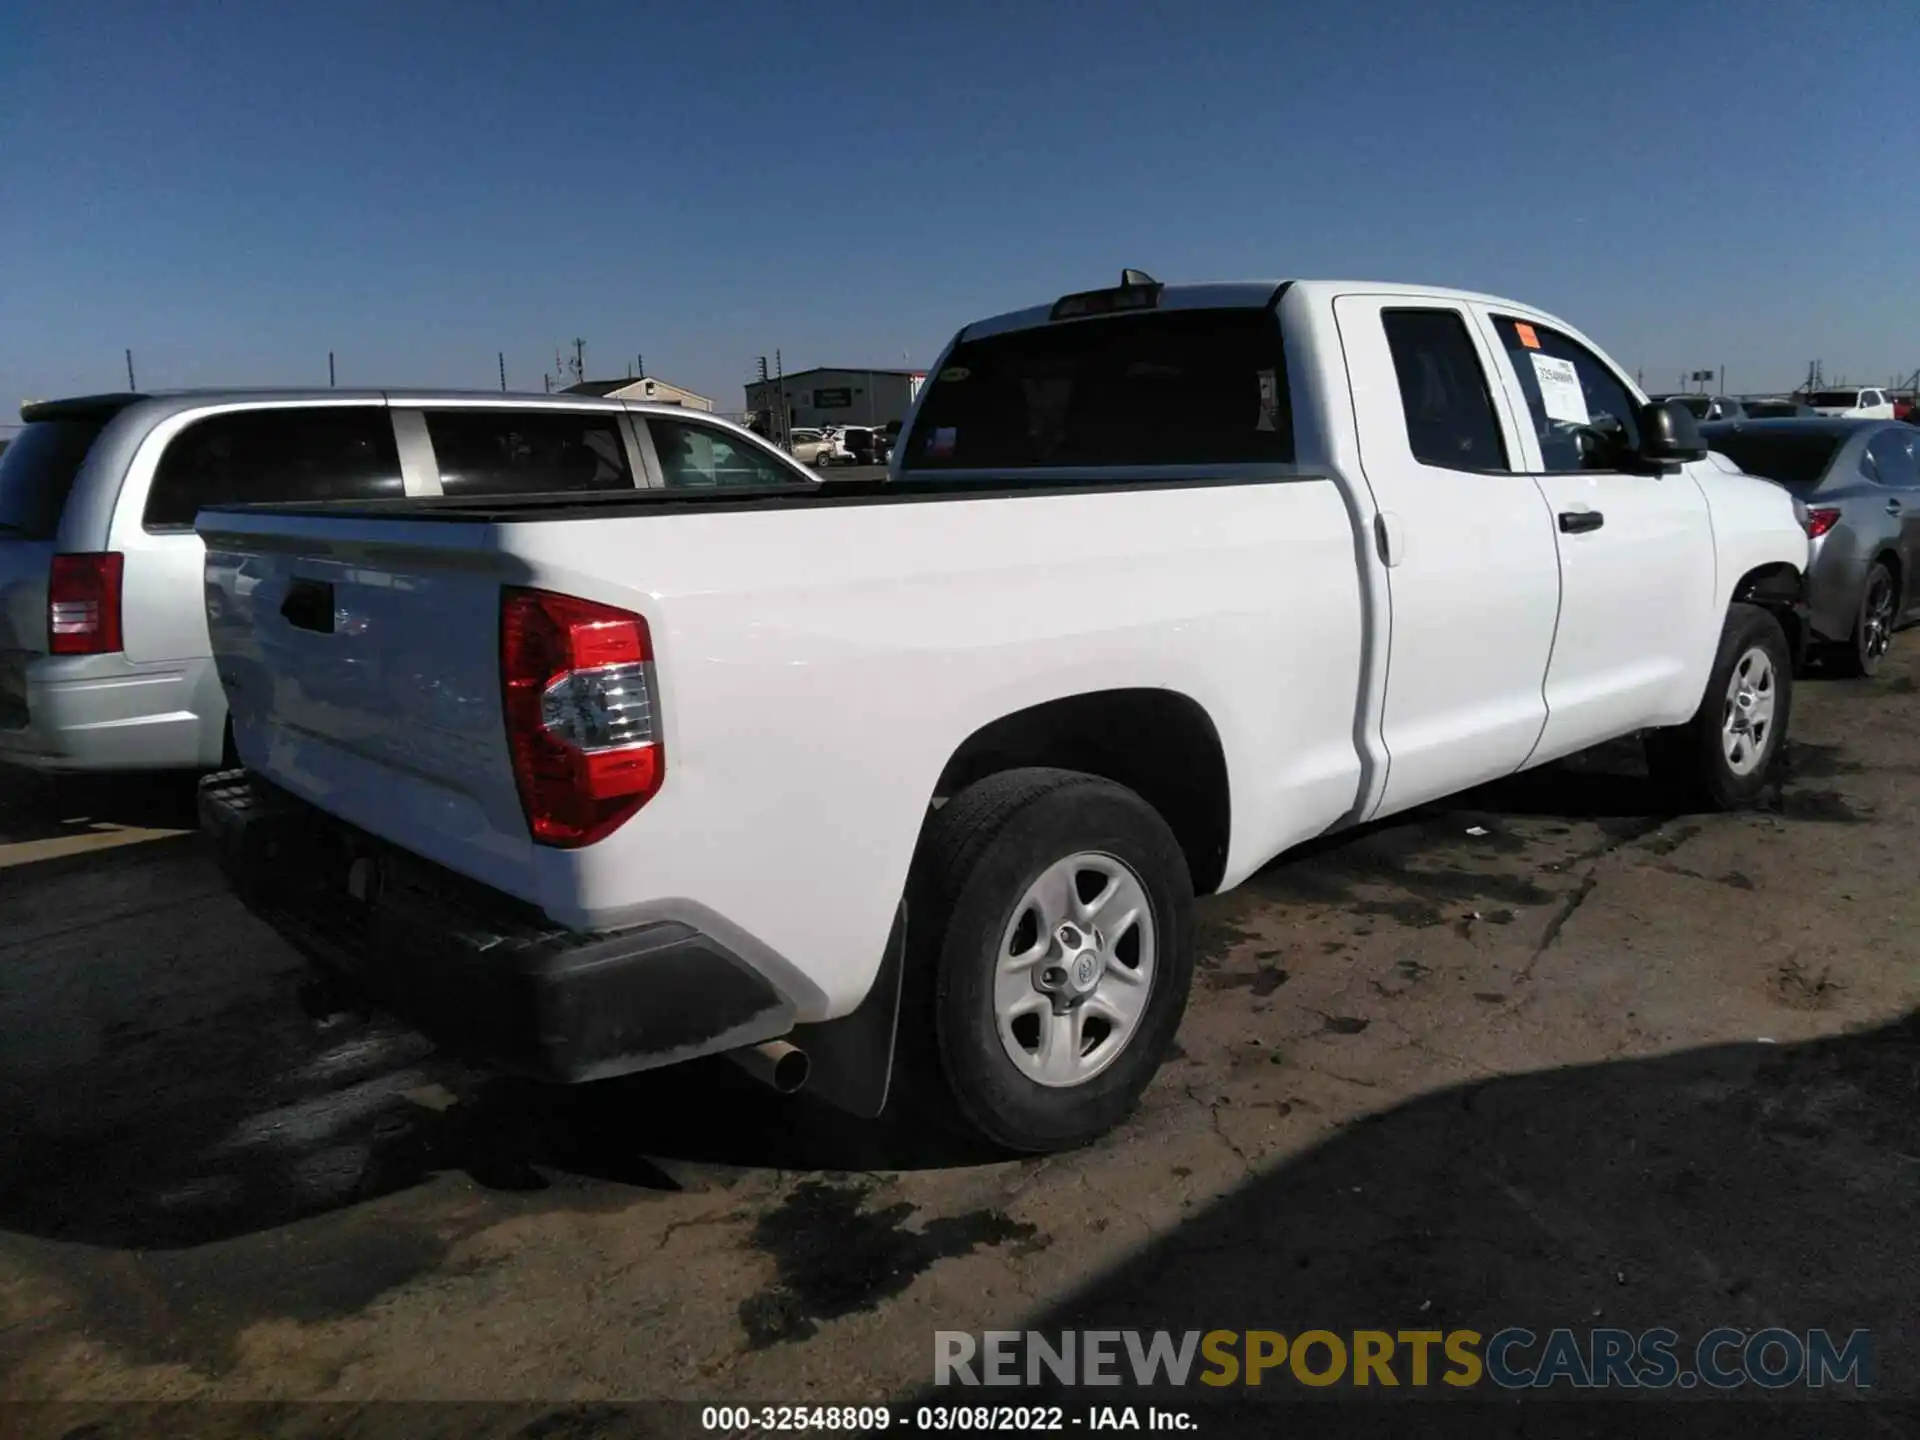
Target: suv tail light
1820 519
577 688
83 604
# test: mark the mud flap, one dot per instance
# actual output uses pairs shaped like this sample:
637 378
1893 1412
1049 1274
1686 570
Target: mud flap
851 1059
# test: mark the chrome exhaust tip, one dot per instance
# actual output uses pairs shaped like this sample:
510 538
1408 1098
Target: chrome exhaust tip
776 1064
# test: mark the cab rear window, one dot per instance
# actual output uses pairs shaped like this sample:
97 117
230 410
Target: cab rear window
37 472
1180 387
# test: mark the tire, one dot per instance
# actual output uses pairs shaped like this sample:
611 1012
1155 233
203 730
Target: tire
979 860
1700 761
820 460
1860 655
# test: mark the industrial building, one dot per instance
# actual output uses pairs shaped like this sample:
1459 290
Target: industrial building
641 387
828 396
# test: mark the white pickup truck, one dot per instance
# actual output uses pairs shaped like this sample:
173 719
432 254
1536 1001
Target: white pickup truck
1163 581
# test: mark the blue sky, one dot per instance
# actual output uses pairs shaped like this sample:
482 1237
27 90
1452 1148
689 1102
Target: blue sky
235 190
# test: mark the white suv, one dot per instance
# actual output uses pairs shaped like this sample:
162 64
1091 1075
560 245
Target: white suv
105 662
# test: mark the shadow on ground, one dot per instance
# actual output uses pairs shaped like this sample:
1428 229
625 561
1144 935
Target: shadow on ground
1747 1185
37 807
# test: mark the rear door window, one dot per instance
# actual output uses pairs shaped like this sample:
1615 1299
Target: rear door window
246 457
1178 387
1443 391
528 452
37 472
704 457
1890 460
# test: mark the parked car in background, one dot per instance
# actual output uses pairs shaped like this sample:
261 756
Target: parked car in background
1859 481
1130 643
1775 409
104 657
1866 403
809 446
1704 407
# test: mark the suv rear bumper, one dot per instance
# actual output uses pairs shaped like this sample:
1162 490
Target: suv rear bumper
477 971
92 713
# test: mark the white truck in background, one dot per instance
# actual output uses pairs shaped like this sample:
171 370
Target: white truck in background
928 771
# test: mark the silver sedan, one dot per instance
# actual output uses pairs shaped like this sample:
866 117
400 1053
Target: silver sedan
1859 481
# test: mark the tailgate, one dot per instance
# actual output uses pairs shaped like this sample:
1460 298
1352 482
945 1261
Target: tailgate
360 660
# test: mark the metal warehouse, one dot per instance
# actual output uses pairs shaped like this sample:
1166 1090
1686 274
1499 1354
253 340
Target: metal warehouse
828 396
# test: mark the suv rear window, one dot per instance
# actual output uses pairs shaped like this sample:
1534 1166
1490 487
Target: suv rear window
1179 387
1835 400
246 457
37 472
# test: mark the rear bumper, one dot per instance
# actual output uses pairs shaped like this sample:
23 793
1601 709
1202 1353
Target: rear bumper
1836 580
93 713
473 969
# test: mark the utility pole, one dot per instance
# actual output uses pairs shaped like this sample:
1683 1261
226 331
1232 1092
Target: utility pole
766 396
330 370
549 380
579 362
1723 380
780 384
640 366
130 384
503 372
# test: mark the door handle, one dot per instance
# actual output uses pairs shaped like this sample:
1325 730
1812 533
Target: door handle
309 606
1893 507
1578 522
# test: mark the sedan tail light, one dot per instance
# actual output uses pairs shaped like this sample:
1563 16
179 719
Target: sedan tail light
1820 519
577 690
83 604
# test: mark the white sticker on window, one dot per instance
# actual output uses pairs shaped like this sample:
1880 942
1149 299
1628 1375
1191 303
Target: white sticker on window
1560 392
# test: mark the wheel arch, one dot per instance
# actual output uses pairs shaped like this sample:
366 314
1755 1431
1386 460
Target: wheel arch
1888 556
1161 744
1779 588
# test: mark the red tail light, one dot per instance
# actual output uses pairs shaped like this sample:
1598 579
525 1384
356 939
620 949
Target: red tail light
83 604
1820 519
577 684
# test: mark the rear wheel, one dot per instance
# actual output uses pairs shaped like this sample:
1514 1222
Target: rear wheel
1872 636
1053 913
1729 752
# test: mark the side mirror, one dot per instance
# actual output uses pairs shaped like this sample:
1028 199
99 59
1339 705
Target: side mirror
1669 435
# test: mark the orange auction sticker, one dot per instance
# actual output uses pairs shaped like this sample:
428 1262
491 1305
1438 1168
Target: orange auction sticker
1527 337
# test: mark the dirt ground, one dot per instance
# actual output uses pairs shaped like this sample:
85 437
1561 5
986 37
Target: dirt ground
1542 1057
